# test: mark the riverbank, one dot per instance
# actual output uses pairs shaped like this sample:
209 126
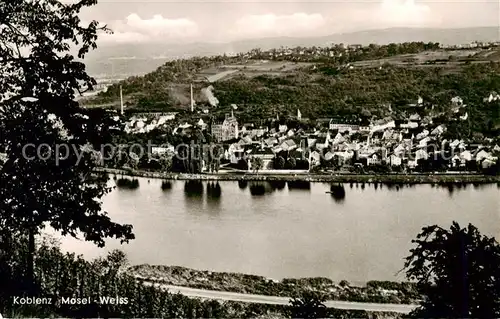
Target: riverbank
373 291
337 178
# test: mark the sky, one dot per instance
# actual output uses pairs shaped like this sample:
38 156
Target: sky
188 21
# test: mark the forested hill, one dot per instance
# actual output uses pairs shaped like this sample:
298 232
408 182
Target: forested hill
324 82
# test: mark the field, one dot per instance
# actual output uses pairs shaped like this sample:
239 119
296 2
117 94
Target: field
444 58
251 69
429 58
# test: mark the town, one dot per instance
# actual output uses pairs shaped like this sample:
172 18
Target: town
298 145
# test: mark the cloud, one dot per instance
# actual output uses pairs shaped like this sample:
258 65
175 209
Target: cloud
404 13
136 29
267 25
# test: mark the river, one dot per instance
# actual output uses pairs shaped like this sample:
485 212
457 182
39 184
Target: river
278 232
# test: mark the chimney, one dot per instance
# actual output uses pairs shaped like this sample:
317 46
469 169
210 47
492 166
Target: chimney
192 100
121 100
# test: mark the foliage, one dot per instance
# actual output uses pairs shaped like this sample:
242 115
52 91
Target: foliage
256 163
67 275
308 305
38 83
457 270
291 163
242 164
279 162
166 163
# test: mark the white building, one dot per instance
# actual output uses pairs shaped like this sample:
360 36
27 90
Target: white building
227 130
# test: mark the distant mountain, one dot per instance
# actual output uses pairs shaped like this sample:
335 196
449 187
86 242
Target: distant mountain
123 60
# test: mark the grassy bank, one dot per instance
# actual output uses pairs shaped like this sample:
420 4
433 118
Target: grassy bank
61 274
340 178
373 291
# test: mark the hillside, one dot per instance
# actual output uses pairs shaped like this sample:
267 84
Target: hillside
126 59
323 86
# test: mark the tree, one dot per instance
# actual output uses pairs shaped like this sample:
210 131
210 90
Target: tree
291 163
256 163
308 305
457 270
242 164
55 185
133 160
166 162
279 162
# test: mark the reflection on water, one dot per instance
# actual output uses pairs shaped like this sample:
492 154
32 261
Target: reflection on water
257 189
338 192
279 185
213 190
288 233
305 185
242 184
166 185
127 183
193 188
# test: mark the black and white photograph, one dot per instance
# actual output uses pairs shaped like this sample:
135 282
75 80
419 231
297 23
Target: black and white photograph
250 159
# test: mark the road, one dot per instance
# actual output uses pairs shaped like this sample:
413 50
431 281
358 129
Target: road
223 295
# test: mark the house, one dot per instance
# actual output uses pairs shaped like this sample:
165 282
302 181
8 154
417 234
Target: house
466 156
456 161
343 125
438 130
422 135
483 154
266 155
235 152
271 141
202 124
418 102
282 128
321 143
354 47
387 135
408 125
421 154
457 101
163 149
345 155
423 142
375 137
288 145
487 163
227 130
338 139
247 140
399 150
259 132
415 118
382 125
315 158
412 163
395 160
493 97
374 159
454 144
329 155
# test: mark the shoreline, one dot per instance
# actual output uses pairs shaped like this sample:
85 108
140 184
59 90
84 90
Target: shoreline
375 291
337 178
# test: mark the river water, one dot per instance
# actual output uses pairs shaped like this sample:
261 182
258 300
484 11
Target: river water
283 231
